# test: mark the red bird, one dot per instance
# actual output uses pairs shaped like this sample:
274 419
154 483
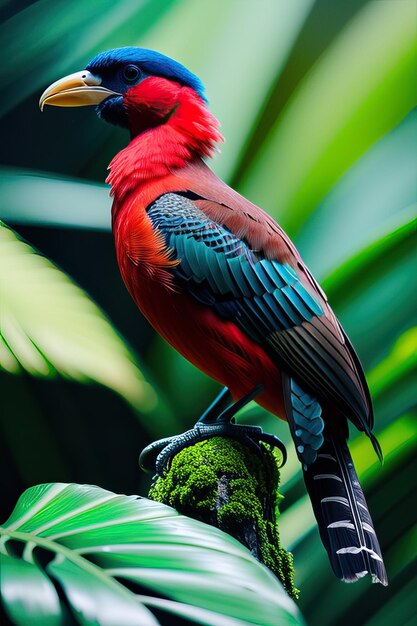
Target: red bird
222 283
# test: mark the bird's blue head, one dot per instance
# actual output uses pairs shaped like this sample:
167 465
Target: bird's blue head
113 77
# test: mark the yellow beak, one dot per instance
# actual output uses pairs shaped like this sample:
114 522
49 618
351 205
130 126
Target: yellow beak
76 90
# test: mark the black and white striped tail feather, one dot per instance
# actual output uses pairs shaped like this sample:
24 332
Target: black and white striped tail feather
342 514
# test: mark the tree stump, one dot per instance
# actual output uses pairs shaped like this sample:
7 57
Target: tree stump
222 482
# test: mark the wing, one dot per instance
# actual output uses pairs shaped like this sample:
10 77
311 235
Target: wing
274 303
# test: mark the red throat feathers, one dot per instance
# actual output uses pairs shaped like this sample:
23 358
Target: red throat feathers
170 125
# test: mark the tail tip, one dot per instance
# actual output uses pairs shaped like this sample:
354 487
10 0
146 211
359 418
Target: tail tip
382 581
376 446
377 578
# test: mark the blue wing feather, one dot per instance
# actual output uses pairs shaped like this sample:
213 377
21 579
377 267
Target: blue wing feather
266 299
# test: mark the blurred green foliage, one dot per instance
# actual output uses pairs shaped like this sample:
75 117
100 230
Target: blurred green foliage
48 325
317 103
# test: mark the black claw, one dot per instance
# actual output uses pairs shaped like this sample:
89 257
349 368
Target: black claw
217 421
149 455
158 455
275 442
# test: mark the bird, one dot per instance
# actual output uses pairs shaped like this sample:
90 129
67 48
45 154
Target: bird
220 281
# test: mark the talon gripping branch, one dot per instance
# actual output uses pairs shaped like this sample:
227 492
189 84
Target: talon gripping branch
220 281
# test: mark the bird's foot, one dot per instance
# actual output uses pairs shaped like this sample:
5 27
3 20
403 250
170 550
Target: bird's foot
158 455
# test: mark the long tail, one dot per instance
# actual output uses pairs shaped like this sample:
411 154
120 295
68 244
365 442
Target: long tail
342 514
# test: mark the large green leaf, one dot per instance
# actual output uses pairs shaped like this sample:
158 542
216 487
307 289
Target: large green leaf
370 263
372 198
373 292
116 559
49 326
361 87
393 380
30 197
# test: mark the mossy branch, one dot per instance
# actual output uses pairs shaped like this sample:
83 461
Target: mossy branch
222 482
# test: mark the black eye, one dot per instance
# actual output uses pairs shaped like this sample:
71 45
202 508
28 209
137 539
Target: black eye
130 73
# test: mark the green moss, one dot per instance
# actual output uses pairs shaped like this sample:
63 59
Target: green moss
222 482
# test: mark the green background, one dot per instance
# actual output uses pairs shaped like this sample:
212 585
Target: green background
317 104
